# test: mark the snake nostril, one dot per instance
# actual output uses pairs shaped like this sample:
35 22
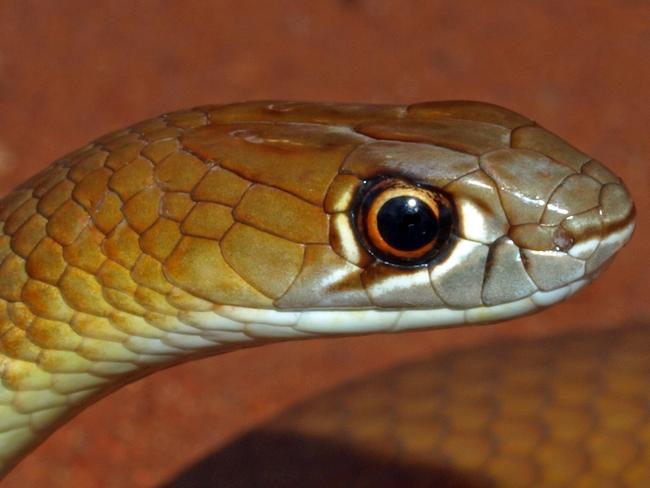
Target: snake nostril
563 239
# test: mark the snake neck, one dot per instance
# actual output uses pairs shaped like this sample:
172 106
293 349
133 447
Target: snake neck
51 370
60 351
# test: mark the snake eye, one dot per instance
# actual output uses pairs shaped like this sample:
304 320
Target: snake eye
403 223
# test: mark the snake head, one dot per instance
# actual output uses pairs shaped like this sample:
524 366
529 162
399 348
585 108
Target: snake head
435 214
274 219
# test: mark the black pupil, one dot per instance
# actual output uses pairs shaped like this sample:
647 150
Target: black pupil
407 223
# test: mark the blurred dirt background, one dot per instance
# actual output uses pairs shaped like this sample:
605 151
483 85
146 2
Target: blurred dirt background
71 70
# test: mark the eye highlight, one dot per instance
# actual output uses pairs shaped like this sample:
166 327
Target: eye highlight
403 223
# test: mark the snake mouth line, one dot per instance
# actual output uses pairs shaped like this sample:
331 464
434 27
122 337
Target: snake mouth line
367 321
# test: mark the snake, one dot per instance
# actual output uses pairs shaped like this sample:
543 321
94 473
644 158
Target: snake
574 412
228 226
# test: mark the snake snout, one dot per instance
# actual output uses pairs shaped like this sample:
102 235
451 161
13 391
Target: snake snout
600 232
587 219
618 214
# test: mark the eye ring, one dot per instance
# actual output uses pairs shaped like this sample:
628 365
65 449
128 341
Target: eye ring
404 223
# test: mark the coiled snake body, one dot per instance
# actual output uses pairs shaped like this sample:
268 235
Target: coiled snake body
221 227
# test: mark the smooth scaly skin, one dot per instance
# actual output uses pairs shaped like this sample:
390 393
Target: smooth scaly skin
570 411
223 227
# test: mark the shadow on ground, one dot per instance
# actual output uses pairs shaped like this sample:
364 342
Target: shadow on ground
274 459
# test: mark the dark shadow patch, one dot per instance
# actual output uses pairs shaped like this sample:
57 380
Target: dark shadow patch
276 459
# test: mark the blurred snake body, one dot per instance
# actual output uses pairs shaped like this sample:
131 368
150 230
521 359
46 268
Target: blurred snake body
222 227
